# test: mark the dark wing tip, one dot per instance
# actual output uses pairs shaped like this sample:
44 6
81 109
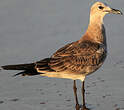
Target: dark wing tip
20 73
28 73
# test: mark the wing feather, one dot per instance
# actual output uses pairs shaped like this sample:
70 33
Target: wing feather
76 56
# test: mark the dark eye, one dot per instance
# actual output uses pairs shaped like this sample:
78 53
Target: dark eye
100 7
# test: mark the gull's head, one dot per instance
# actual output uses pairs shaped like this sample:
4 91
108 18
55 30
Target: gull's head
99 10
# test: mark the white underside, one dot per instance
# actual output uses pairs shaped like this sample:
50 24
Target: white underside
65 75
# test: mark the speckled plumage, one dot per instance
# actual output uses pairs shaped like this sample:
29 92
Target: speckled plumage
76 57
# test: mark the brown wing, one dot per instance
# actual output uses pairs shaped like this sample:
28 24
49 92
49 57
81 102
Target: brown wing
76 56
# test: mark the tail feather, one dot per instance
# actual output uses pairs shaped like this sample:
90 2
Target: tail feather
28 73
19 67
30 69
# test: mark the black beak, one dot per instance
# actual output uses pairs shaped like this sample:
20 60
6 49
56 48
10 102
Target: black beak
114 11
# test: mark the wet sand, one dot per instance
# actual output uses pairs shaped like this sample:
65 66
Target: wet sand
31 30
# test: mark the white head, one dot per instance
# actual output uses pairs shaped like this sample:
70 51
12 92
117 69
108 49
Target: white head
99 10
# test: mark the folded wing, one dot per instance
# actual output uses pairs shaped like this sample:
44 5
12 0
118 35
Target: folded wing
75 57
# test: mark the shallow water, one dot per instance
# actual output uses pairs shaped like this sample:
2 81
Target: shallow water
31 30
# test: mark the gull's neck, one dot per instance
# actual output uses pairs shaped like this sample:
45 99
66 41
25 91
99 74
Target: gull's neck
95 31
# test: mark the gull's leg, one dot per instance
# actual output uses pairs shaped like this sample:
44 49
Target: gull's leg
83 95
75 94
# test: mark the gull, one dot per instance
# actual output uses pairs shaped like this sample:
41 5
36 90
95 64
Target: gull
78 59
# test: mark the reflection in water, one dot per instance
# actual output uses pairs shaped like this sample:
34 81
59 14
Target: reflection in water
83 106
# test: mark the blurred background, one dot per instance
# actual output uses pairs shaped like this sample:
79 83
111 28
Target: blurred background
31 30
